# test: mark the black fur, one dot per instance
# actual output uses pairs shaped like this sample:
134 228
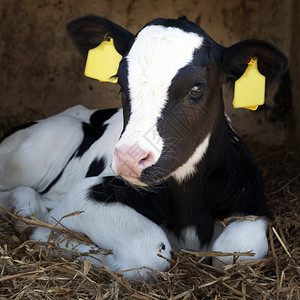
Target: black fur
270 61
154 204
94 130
89 32
234 184
96 167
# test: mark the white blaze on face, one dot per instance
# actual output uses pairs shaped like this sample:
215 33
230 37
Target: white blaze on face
186 170
156 56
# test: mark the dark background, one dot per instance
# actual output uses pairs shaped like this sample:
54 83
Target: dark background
41 73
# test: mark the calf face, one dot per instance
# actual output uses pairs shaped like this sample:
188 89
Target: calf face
171 79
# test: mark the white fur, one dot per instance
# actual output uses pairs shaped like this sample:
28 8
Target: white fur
77 168
242 236
134 239
189 168
188 240
27 156
154 59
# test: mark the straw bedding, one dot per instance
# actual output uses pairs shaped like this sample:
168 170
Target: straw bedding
30 272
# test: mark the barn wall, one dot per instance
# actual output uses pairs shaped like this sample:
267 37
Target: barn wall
41 73
295 64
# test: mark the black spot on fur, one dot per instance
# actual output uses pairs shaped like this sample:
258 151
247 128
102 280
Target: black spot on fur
96 167
94 130
162 247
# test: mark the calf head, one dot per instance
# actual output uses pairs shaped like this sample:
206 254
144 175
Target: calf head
171 77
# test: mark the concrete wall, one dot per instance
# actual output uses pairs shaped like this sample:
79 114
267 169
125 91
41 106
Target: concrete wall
41 73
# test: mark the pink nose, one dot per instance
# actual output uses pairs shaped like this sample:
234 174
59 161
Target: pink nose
131 160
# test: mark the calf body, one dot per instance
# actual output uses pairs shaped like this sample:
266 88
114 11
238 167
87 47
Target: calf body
159 173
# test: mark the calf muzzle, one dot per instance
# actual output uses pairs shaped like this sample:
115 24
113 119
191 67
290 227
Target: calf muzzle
130 161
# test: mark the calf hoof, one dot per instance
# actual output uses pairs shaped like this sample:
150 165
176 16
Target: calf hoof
137 264
241 236
27 203
24 202
41 234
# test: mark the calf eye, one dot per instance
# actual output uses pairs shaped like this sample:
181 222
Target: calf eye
196 91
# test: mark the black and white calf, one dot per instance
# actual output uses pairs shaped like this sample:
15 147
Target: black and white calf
186 167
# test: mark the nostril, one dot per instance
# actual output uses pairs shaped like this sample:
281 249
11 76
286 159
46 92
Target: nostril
147 157
146 160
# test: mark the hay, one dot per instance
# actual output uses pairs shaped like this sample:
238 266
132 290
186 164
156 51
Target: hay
30 272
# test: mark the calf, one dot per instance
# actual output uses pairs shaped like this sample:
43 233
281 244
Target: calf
163 171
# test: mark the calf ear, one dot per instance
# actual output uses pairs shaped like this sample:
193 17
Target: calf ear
271 61
89 31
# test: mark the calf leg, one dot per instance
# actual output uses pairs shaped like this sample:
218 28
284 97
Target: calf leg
135 241
242 236
25 202
73 247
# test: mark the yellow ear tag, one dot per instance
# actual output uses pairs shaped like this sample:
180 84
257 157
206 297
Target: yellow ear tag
103 62
249 89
